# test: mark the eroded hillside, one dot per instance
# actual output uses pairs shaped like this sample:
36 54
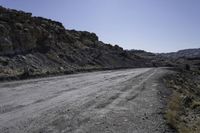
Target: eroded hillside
33 46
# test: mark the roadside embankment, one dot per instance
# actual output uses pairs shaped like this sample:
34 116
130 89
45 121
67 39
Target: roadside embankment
183 110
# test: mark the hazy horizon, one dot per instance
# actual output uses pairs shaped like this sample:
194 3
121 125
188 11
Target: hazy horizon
155 26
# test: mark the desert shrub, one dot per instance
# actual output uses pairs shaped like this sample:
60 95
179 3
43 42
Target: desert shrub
195 104
25 74
187 67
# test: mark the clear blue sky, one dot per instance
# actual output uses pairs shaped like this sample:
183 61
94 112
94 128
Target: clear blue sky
151 25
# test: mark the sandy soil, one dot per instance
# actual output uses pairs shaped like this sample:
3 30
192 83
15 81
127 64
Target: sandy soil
120 101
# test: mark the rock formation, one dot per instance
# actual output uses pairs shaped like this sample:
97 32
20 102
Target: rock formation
35 46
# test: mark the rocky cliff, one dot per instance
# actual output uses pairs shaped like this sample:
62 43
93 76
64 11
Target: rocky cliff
35 46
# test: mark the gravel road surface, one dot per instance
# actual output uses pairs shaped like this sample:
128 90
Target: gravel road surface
117 101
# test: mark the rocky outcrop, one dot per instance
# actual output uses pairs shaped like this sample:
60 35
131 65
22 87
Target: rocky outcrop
35 46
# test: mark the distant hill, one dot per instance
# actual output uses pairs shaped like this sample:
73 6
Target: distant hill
35 46
186 53
183 57
143 53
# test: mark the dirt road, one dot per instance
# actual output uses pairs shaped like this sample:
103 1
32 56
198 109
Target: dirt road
120 101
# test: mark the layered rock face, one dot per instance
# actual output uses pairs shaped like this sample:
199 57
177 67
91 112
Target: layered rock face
35 46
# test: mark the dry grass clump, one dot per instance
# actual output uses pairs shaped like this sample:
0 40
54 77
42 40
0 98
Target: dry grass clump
174 108
176 117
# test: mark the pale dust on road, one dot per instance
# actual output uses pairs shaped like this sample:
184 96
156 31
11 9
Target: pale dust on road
119 101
